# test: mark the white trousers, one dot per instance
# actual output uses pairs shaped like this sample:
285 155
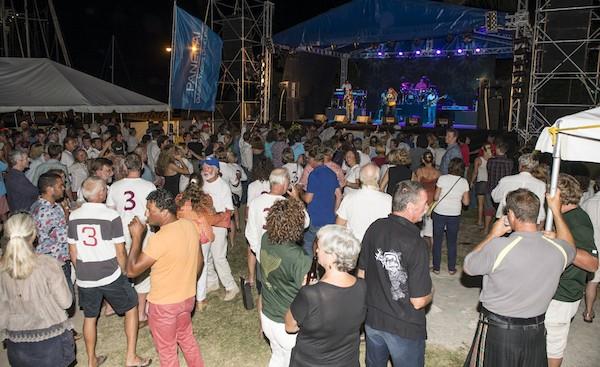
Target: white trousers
280 341
201 285
217 267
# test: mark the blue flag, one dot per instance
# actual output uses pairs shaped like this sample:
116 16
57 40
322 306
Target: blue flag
196 60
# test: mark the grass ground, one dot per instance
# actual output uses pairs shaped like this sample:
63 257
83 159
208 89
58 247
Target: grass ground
228 335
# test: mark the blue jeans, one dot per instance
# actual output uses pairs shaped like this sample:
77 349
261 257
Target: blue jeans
66 268
450 224
404 352
309 238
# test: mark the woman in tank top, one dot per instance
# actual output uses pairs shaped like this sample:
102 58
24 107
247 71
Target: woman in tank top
478 182
427 175
170 165
399 170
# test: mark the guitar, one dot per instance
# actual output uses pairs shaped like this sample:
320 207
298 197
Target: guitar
434 101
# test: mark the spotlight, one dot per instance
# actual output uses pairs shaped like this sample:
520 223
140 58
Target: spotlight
379 53
400 53
168 49
417 52
478 50
438 52
460 51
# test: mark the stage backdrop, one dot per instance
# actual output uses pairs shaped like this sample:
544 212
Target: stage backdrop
318 76
457 76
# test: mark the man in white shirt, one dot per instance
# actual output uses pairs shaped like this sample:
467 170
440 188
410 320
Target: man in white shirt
245 150
153 149
128 197
592 208
257 214
66 158
362 207
523 179
216 262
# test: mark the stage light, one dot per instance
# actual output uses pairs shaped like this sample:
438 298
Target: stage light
168 49
400 53
417 52
460 51
478 50
194 48
379 53
438 52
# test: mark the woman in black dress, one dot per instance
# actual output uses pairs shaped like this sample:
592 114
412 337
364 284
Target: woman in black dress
399 170
170 166
329 335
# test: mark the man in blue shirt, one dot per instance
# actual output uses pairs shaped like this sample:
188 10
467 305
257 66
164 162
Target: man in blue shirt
452 151
323 196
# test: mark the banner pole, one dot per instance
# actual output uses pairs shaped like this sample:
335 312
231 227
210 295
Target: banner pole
172 57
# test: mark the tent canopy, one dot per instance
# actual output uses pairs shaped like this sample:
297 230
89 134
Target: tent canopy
580 138
42 85
380 21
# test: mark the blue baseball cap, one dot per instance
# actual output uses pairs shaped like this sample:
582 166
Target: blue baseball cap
211 161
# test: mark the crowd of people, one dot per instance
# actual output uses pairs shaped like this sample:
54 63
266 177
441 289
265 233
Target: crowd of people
96 219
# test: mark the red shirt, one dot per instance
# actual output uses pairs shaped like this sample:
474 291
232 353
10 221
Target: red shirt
464 150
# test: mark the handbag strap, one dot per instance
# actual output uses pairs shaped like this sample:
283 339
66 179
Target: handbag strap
446 194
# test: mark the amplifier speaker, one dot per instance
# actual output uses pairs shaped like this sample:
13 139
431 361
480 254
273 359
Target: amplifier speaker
413 121
363 119
339 118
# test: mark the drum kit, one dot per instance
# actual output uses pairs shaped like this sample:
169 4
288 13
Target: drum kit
411 94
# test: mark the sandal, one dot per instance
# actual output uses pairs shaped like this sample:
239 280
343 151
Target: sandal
100 360
436 272
143 363
451 272
588 317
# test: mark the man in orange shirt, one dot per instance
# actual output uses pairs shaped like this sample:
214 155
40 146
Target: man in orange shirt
174 257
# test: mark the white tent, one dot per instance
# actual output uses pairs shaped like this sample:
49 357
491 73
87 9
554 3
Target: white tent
42 85
572 138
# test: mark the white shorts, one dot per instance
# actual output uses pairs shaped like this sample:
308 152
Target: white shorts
142 283
596 276
558 322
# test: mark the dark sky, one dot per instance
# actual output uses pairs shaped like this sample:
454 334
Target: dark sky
142 30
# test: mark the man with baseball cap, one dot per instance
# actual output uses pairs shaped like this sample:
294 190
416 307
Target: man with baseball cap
216 258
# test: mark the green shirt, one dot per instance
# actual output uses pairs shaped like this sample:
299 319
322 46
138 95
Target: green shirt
282 267
573 279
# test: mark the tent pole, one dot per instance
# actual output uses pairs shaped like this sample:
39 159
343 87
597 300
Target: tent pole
121 116
16 122
554 177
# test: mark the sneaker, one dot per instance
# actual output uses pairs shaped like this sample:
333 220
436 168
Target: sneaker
230 294
212 288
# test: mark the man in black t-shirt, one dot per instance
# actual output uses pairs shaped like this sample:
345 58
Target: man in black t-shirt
395 265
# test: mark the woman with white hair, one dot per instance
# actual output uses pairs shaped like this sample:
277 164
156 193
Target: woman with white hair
33 298
326 331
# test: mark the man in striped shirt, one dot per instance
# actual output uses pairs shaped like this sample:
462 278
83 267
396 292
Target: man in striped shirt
97 248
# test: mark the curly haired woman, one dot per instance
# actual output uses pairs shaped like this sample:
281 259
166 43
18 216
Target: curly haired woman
283 266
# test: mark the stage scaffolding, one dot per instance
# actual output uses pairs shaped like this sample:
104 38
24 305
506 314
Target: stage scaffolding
31 29
564 76
245 83
521 53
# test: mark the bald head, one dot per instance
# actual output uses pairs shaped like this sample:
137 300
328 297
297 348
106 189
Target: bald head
369 175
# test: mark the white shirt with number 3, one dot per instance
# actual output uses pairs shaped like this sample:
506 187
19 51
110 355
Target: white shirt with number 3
128 198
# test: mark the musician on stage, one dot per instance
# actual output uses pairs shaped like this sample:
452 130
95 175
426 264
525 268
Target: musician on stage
349 103
431 104
391 98
422 85
346 87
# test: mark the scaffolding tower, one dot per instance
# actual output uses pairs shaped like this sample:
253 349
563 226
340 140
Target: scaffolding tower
244 89
31 29
564 76
522 39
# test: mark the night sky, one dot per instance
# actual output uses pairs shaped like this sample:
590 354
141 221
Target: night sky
142 30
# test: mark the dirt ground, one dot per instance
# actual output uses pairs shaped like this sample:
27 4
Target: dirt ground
229 335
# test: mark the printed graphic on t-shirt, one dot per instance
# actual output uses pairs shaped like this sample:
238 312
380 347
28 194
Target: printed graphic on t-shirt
268 264
391 262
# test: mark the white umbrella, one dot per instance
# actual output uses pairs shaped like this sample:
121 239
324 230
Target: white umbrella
572 138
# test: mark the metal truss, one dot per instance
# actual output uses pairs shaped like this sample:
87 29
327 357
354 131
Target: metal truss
31 29
585 77
246 29
519 22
